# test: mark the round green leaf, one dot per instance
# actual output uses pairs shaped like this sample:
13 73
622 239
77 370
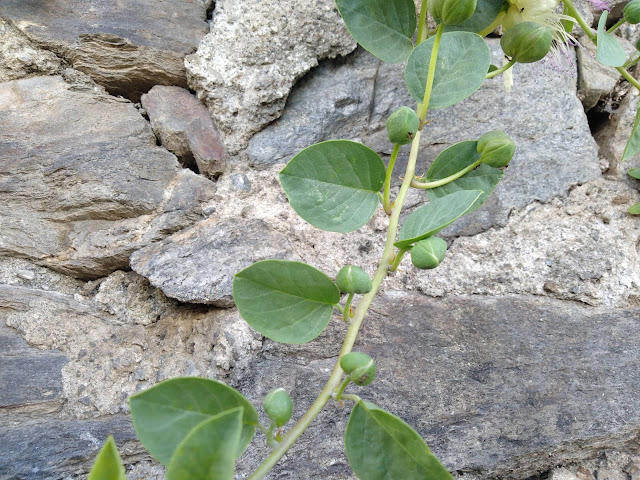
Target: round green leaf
289 302
453 159
635 173
164 414
108 465
435 215
381 446
635 209
209 451
382 27
334 185
609 50
486 13
463 62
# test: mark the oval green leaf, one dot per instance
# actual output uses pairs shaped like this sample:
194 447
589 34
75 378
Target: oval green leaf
289 302
486 13
382 27
635 209
436 215
633 144
381 446
209 451
108 465
463 62
165 414
334 185
635 173
609 51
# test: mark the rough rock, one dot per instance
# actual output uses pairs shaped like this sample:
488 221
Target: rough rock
81 194
20 58
499 387
183 126
352 99
197 264
245 78
127 47
595 80
611 465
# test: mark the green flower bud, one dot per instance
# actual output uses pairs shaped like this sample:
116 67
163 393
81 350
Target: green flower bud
496 148
278 406
360 368
428 253
352 279
526 42
452 12
631 12
402 125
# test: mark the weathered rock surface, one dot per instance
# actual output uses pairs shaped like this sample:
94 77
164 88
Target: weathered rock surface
499 387
127 47
352 99
595 80
245 78
86 184
183 126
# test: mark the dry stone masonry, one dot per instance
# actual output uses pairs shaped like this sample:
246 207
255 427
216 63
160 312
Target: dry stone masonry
123 223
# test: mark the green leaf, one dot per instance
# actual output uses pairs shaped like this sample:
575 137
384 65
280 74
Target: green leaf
635 173
334 185
486 13
380 446
453 159
382 27
436 215
209 451
289 302
463 62
108 465
633 145
165 414
635 209
609 51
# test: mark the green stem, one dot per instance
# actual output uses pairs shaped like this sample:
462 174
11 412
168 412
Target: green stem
386 202
352 397
347 308
422 25
572 12
271 441
354 327
502 69
396 263
629 77
342 388
619 24
631 62
431 75
444 181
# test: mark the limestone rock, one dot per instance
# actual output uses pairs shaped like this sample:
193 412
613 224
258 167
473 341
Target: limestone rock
183 126
245 79
20 58
127 47
500 387
86 184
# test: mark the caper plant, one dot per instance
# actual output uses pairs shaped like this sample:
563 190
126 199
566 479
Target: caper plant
198 427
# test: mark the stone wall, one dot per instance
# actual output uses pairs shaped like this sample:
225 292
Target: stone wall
127 203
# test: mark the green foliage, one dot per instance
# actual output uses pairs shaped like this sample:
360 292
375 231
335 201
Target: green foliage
463 61
634 173
380 446
108 465
210 449
609 51
383 27
289 302
526 42
165 414
428 253
334 185
486 13
278 406
633 144
635 209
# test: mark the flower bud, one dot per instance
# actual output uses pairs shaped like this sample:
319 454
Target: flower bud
452 12
631 12
496 148
352 279
428 253
402 125
278 406
359 367
526 42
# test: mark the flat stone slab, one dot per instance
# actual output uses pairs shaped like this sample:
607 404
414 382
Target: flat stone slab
127 47
86 184
499 387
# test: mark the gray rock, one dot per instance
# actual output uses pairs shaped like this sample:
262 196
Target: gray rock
183 126
501 387
198 264
127 47
595 80
245 79
352 98
86 185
